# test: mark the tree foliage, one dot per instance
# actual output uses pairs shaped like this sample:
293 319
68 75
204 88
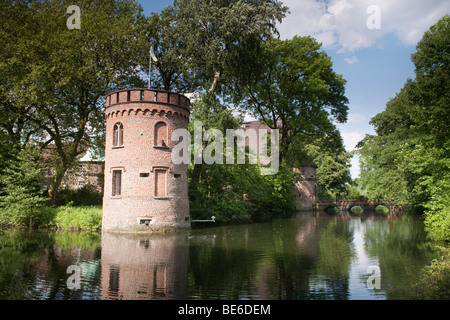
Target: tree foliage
22 198
213 39
407 161
56 78
295 90
234 192
173 73
333 162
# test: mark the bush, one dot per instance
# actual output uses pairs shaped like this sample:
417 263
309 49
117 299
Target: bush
22 202
239 193
85 196
435 281
437 214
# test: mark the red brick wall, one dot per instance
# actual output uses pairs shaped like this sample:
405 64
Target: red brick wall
140 162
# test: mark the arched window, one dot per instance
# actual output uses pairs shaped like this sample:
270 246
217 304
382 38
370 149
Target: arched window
161 134
118 135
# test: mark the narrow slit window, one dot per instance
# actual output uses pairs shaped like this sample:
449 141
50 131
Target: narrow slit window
117 183
118 135
160 183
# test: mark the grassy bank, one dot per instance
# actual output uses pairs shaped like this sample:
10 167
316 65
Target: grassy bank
65 217
80 218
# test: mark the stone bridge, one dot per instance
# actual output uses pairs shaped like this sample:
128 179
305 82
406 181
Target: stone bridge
345 206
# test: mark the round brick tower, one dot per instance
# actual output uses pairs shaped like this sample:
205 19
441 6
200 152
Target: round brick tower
144 191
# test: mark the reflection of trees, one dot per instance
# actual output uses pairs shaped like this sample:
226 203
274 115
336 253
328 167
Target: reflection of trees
16 253
332 269
400 247
32 264
280 260
291 257
221 265
267 260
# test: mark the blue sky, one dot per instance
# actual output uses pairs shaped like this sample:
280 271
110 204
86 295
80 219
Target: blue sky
376 62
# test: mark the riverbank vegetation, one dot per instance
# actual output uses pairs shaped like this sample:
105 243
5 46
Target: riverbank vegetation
407 161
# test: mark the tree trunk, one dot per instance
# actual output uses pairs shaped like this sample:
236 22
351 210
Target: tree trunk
56 183
196 173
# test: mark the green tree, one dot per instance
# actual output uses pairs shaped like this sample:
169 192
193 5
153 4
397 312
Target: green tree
18 27
173 72
407 161
68 72
333 162
22 198
382 174
295 90
220 36
234 192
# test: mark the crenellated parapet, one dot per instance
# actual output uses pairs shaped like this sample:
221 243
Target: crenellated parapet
151 96
147 102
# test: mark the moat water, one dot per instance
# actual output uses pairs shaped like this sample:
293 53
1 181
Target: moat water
303 257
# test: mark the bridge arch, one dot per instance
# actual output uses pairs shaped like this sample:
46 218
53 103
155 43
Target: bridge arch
353 207
381 208
346 206
332 209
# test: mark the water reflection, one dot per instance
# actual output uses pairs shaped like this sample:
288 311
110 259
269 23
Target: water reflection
309 256
144 267
33 264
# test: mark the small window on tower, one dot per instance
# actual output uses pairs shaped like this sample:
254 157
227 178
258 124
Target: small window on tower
117 183
160 183
118 135
160 135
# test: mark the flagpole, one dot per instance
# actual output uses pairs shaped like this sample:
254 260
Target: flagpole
150 68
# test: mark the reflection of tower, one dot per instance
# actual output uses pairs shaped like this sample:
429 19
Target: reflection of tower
144 267
144 190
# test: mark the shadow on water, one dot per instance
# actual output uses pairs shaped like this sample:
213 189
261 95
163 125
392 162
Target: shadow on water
307 256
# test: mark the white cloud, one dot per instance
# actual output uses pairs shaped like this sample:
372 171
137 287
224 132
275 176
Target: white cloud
351 60
342 24
351 139
355 167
